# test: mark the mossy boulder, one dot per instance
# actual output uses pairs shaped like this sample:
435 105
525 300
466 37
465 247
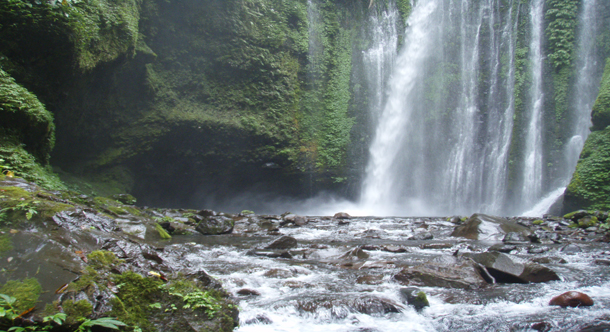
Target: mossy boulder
589 188
600 115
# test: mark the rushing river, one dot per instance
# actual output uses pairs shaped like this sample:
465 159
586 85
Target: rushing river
320 288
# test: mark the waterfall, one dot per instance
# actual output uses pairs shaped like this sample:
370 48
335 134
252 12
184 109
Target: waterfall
531 188
386 148
450 136
443 136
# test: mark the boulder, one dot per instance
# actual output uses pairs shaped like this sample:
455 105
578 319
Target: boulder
248 292
511 269
463 273
415 297
294 219
572 299
284 242
355 254
485 227
342 215
215 225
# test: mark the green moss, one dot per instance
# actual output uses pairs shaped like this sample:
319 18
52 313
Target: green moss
26 166
590 185
404 8
26 292
135 295
6 244
601 109
588 221
101 259
162 232
114 207
25 117
561 31
76 311
538 222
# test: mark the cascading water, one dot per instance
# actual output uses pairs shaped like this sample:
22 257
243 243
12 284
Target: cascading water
443 138
531 188
446 139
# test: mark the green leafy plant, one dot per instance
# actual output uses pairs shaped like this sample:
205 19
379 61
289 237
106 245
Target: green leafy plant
198 300
28 207
108 322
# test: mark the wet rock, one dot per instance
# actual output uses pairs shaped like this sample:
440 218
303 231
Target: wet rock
372 234
270 254
541 326
342 215
83 219
436 246
259 319
215 225
511 269
596 327
485 227
294 219
370 279
545 237
284 242
207 213
571 248
463 273
572 299
355 254
295 284
343 307
515 238
133 227
505 248
126 199
279 273
576 215
392 248
422 236
537 250
602 262
378 265
248 292
548 260
269 225
415 297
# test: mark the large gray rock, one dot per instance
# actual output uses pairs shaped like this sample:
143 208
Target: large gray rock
284 242
485 227
462 273
511 269
215 225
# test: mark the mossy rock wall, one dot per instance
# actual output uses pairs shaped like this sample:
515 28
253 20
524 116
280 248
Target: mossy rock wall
590 185
235 94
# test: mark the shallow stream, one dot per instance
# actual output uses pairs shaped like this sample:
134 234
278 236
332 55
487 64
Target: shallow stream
320 288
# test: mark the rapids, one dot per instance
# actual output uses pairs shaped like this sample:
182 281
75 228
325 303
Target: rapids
319 289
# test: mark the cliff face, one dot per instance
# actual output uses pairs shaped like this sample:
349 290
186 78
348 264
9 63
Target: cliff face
186 97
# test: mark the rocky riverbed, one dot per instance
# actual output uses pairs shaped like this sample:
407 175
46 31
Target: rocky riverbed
94 257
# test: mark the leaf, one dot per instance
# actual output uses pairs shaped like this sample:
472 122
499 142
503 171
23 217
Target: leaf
108 322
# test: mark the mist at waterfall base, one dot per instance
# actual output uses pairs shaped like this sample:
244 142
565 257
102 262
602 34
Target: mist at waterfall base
444 115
